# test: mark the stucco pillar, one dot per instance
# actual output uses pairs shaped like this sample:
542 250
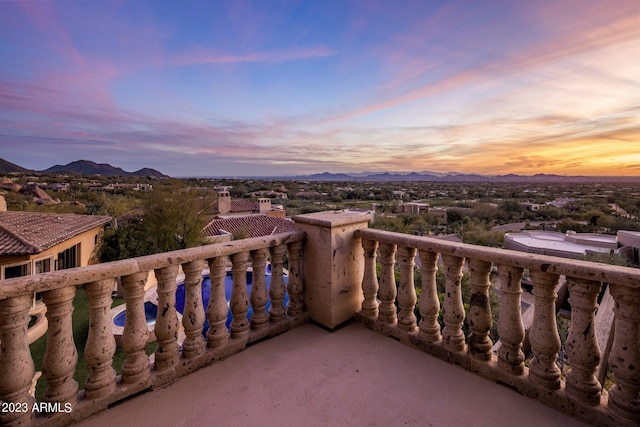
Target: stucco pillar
333 265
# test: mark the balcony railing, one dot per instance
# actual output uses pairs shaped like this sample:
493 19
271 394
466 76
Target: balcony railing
63 403
389 308
332 278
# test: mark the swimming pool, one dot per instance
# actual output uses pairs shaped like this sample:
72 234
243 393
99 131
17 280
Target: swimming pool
150 313
228 286
151 304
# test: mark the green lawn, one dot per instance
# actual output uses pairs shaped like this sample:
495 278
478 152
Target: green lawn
80 333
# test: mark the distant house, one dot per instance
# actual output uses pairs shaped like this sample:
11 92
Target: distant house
58 186
272 194
531 207
413 208
574 245
33 242
135 187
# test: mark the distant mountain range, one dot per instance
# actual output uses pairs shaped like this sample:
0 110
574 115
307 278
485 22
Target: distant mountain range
86 167
82 167
428 176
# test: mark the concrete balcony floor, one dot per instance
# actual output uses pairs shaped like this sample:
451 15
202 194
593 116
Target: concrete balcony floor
310 376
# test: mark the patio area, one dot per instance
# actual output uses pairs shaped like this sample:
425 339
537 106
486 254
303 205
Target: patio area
351 376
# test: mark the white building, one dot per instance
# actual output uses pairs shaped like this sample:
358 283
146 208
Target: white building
574 245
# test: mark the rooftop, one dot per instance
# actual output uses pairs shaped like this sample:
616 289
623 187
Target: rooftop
576 243
207 206
252 225
34 232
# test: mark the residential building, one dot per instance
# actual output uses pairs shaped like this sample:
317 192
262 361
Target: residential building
531 207
574 245
413 208
33 242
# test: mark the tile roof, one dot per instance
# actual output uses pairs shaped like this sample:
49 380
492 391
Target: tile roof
24 233
254 226
243 205
206 207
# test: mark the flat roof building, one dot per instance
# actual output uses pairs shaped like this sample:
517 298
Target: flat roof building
574 245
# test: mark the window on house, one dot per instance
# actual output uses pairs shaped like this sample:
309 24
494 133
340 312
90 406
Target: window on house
16 270
37 297
42 265
69 258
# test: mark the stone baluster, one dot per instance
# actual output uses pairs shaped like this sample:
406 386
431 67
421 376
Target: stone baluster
277 290
101 345
217 312
544 338
60 357
453 309
239 300
387 291
510 327
166 328
582 347
480 319
624 359
429 302
16 364
193 314
295 287
370 279
259 296
136 333
406 291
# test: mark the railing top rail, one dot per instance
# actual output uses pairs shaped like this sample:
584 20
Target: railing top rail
625 276
81 275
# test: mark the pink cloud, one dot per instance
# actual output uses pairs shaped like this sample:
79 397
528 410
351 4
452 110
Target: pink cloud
207 56
601 27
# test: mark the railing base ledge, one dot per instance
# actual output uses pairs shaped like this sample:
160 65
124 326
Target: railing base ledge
599 415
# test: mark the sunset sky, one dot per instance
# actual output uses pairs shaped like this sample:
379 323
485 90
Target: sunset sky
242 88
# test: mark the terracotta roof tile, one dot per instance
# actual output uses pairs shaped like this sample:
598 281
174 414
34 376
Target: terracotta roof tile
243 205
33 232
253 226
206 206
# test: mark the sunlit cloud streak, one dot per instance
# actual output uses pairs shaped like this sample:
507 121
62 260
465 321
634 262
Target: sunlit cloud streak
203 56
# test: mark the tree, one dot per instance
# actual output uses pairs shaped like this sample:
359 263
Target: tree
389 223
173 221
477 234
608 258
127 241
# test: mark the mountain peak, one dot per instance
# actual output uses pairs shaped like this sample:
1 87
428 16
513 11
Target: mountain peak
84 167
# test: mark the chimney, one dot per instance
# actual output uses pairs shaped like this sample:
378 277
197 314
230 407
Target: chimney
224 202
3 204
264 205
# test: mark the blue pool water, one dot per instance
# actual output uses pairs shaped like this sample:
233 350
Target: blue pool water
228 285
151 309
150 313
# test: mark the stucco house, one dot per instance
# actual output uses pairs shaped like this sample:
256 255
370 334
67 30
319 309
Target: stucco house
34 242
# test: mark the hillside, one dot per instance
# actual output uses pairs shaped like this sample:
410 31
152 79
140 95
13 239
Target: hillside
87 167
8 167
